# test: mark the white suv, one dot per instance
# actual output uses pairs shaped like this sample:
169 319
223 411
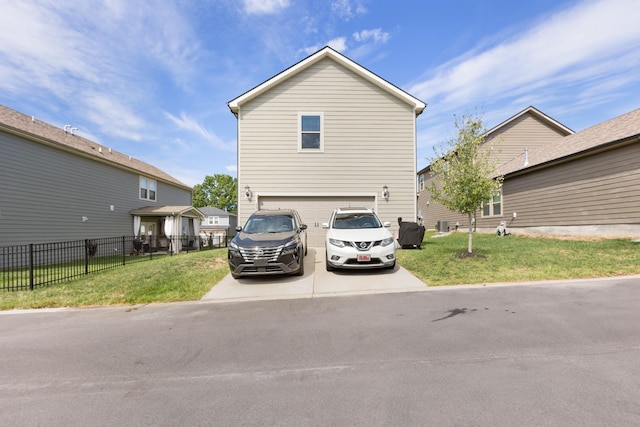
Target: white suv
356 238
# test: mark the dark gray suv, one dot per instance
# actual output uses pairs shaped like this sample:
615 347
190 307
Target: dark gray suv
271 242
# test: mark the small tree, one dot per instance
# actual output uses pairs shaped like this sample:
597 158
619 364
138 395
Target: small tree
218 190
463 172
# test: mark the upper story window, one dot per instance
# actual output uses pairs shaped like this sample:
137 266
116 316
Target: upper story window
421 182
310 135
213 220
492 206
147 188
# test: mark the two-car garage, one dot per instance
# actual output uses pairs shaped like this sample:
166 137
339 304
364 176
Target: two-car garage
315 210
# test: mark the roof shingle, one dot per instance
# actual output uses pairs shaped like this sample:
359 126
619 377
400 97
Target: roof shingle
28 127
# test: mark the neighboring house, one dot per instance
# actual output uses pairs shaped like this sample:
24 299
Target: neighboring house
58 186
327 133
588 184
218 223
585 183
526 130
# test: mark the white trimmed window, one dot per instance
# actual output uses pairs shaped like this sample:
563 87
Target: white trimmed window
310 132
421 182
493 206
213 220
147 188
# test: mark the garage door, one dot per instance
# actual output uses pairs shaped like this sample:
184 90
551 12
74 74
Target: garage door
315 210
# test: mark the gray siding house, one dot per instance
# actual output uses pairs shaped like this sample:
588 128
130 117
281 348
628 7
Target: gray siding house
57 186
584 183
327 133
218 223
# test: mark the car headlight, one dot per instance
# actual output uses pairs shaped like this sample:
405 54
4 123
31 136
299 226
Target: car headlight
336 242
387 241
233 245
290 248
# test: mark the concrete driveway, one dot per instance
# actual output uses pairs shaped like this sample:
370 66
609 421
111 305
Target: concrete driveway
316 282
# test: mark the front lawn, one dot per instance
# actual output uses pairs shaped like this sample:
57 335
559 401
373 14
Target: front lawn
518 258
183 277
188 277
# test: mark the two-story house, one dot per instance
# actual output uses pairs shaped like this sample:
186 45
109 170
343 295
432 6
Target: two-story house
57 186
217 223
327 133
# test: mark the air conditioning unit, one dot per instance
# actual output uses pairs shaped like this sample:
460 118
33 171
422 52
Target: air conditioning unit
443 226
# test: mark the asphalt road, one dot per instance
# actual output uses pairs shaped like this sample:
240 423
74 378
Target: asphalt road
558 354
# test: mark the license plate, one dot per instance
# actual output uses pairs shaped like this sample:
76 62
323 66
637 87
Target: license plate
260 262
364 258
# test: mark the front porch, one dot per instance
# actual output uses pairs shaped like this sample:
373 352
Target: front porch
171 229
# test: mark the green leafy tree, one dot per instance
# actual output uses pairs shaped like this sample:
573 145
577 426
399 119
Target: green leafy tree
218 190
463 172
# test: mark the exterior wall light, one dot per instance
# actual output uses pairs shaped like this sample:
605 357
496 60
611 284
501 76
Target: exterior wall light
385 192
247 192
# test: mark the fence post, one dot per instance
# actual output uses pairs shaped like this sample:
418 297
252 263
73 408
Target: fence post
124 258
86 256
30 266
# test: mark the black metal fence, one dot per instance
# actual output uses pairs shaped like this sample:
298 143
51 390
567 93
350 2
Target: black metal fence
33 265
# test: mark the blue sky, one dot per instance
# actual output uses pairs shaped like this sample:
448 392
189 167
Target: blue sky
152 78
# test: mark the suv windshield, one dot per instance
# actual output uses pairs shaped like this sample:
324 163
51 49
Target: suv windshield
356 220
269 224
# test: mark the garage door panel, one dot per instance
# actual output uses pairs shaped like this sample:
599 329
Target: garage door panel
315 210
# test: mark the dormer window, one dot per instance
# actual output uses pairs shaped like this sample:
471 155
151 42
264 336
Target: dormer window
147 189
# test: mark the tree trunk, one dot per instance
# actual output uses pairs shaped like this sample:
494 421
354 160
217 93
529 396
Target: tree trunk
470 248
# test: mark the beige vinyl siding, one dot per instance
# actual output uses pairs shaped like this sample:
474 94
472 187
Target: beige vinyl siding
527 131
596 190
369 140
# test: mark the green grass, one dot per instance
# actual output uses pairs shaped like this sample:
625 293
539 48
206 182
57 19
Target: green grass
517 258
183 277
188 277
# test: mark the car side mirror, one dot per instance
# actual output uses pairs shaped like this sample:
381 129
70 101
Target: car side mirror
325 225
386 224
303 226
238 228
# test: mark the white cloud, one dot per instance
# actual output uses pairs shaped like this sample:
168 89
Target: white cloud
92 59
583 43
264 7
347 9
377 35
339 44
187 123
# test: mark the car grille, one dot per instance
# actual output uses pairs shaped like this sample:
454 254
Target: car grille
364 246
271 254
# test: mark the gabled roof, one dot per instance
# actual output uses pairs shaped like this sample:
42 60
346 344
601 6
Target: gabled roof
188 211
529 110
619 130
29 127
533 111
326 52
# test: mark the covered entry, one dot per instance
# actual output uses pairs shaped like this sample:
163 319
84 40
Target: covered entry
168 228
314 210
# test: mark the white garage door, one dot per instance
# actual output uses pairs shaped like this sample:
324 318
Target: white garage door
315 210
